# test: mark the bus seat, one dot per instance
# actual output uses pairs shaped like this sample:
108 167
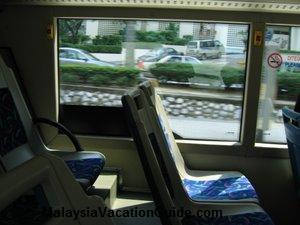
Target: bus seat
200 185
32 183
297 105
291 121
165 195
33 189
18 133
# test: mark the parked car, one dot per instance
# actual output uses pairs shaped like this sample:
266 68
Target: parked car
81 57
174 59
179 59
203 49
148 59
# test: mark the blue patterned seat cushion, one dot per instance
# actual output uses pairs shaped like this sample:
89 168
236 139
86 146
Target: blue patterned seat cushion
233 188
12 133
255 218
87 168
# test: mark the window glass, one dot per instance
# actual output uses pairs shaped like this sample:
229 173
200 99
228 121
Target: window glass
192 44
63 54
89 56
81 56
191 60
171 51
174 59
280 82
204 44
201 86
217 43
72 55
211 44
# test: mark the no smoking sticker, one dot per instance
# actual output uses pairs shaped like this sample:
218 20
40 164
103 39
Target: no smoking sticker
274 60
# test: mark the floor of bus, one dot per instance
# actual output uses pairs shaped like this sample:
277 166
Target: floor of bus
134 208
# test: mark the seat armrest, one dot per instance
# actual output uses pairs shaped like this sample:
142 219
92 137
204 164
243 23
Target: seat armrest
62 129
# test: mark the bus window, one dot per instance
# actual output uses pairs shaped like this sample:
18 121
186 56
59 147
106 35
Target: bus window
280 82
200 68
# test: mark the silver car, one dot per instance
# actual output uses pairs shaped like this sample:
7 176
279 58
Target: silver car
179 59
81 57
203 49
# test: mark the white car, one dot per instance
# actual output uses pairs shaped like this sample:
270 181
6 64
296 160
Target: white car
170 59
151 57
203 49
179 59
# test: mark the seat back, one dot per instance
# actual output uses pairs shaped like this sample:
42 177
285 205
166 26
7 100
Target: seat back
149 153
10 61
158 163
24 141
291 121
27 168
15 122
297 105
154 100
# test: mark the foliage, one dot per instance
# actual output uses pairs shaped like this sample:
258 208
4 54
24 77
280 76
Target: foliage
98 75
168 36
72 31
290 51
95 48
243 35
290 82
108 40
233 75
69 78
147 45
172 71
149 36
181 72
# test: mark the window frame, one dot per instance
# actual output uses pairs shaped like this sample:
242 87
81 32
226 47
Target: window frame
253 75
75 124
261 144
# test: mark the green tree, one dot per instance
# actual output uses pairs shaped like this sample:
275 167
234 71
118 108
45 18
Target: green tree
169 36
108 40
244 37
171 32
72 31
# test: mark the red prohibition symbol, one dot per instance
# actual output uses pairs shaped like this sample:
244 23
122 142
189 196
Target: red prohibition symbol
275 60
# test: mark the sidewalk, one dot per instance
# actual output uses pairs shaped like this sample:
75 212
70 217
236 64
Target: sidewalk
200 93
212 94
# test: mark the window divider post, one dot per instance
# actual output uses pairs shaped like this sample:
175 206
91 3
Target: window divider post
252 88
